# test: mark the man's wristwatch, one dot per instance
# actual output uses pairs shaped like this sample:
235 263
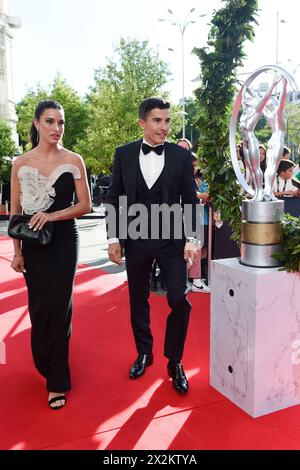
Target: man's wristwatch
194 241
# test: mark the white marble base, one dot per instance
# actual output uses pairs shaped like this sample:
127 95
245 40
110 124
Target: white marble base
255 336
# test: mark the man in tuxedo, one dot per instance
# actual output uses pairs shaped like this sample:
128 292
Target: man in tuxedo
153 171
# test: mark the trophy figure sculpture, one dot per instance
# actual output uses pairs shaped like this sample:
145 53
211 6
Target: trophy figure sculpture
261 215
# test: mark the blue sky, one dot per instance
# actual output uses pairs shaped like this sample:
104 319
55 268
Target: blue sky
74 37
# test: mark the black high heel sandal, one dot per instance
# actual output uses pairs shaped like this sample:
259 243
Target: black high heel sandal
58 398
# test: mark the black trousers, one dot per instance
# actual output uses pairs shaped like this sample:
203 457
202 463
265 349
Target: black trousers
139 258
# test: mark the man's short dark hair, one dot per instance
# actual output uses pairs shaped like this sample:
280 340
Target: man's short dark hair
285 165
187 141
150 103
199 174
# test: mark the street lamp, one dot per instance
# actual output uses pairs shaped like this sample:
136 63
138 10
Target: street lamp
182 27
192 125
163 47
277 34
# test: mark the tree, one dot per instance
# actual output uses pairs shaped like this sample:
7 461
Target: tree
136 73
25 111
293 125
7 149
76 111
231 26
263 131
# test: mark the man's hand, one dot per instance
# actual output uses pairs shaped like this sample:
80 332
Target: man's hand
190 253
115 253
202 196
289 192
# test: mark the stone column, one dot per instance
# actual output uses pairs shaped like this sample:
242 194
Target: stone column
7 106
255 336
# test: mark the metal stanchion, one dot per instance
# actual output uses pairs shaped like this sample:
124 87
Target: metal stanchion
209 251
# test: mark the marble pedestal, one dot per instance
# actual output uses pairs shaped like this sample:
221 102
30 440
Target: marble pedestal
255 336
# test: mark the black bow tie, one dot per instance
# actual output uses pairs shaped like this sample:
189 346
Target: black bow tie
148 148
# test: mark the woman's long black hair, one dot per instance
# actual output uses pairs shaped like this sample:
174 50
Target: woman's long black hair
39 110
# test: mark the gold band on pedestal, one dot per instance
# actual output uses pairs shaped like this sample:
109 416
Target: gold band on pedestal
261 234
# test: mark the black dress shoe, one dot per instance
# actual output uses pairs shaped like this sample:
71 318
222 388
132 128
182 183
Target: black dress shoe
176 372
139 366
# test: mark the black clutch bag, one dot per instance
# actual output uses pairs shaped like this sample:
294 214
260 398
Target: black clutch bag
18 228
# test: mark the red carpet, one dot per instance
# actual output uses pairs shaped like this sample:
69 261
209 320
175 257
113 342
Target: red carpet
106 410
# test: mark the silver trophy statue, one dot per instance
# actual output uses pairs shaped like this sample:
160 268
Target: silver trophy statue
261 224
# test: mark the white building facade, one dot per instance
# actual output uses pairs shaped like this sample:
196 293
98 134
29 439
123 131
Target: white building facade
7 106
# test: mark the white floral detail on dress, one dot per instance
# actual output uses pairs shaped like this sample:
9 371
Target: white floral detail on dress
37 192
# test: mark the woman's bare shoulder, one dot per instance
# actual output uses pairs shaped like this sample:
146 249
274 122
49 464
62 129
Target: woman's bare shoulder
23 159
72 157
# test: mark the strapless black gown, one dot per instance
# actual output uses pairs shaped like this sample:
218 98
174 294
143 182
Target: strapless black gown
50 272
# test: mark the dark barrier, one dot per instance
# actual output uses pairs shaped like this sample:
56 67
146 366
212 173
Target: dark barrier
224 247
292 206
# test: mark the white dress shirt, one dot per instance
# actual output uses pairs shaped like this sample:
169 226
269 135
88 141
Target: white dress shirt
151 165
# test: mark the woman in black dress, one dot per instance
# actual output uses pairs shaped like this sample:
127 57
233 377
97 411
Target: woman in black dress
43 183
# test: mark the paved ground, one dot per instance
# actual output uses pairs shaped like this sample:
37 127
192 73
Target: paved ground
93 245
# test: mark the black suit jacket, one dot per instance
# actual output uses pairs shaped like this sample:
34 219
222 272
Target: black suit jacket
178 182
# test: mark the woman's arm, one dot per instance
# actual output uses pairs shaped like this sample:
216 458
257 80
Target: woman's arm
15 209
287 192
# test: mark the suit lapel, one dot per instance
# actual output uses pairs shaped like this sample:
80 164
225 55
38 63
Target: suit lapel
131 171
169 170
